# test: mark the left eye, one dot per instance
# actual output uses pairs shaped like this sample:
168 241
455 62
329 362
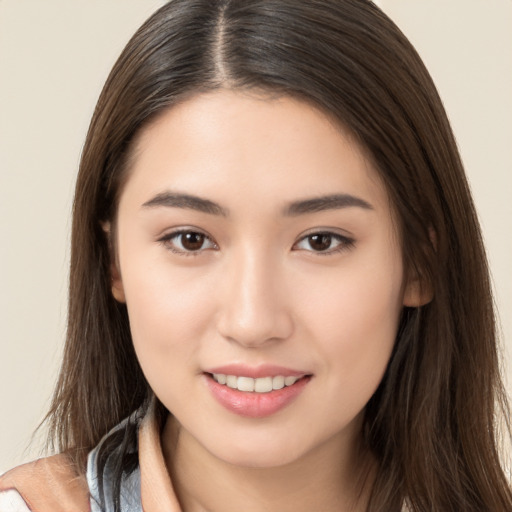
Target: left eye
187 242
324 243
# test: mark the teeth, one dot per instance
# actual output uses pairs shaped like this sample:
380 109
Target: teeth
288 381
220 378
231 381
263 385
259 385
278 382
245 384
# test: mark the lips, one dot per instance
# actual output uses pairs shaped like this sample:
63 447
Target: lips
255 392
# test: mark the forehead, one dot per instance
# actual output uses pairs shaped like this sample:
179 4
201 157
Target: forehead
228 143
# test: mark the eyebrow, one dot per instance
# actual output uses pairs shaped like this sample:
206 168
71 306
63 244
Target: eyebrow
177 200
316 204
330 202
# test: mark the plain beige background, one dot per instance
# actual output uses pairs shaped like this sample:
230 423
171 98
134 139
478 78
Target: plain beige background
54 58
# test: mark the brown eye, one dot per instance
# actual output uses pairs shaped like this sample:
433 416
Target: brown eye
187 242
324 243
320 242
192 241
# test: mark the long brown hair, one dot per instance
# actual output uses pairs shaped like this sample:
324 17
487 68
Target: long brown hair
432 423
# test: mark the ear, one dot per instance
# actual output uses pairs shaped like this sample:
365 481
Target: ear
417 292
115 274
419 289
117 283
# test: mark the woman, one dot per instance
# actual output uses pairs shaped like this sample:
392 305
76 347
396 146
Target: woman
277 278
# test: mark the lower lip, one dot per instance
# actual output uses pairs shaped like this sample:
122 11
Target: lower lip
255 405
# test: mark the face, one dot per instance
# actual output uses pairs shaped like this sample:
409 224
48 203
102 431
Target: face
260 265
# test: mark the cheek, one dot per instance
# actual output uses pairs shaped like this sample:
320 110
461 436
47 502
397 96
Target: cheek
166 333
355 325
355 351
168 311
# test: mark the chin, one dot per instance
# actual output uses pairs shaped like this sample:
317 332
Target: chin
249 454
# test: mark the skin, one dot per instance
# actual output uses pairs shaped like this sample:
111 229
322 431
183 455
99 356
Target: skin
258 290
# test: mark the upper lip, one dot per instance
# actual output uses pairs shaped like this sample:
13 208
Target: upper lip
264 370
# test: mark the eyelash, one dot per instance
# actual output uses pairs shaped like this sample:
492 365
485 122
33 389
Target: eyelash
344 242
167 241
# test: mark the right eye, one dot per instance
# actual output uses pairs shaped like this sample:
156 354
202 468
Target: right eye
187 242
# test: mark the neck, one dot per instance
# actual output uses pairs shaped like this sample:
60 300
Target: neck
336 477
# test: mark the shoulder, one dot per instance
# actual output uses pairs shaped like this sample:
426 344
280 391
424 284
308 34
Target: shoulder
47 485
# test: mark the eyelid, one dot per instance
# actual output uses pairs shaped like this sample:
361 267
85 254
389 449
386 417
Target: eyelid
168 236
346 242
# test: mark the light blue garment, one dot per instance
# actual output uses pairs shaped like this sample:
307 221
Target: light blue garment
130 485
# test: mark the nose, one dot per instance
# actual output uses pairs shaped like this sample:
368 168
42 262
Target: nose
254 308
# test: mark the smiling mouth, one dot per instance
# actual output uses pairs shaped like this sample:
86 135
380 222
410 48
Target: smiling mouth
260 396
257 385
